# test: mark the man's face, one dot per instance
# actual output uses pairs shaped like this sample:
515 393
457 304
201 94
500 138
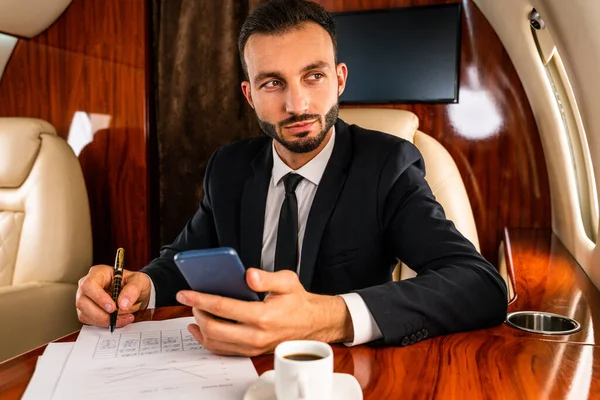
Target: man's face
294 85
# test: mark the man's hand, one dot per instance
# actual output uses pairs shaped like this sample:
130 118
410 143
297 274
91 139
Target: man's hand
287 313
94 296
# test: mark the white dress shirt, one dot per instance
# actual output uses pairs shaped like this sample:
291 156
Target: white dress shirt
365 327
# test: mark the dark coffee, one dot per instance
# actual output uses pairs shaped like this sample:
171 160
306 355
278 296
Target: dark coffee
303 357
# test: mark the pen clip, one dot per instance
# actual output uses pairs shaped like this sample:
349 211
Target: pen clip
119 259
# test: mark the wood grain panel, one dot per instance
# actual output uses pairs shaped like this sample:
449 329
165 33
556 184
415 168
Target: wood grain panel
471 365
547 278
490 133
92 61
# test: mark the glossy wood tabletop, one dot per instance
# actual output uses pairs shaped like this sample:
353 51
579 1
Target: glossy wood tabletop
495 363
471 365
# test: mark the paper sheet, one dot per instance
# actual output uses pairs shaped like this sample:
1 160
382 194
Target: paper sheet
156 359
47 371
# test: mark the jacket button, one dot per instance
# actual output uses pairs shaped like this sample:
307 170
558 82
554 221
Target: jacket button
405 341
413 339
419 336
425 333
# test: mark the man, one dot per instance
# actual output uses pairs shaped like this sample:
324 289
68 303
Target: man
320 212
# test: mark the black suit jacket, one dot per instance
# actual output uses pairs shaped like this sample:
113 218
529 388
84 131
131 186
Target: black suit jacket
372 207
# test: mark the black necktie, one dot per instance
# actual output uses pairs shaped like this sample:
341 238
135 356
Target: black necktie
286 252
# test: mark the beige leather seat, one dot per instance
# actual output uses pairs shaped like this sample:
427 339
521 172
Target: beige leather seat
45 235
441 171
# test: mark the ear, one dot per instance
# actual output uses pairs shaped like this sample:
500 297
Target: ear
247 91
342 76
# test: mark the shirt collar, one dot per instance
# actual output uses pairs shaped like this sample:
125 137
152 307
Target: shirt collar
312 170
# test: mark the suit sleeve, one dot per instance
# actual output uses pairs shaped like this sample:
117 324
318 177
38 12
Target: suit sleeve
198 233
455 289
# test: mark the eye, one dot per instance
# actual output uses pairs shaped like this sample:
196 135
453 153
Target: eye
317 76
272 84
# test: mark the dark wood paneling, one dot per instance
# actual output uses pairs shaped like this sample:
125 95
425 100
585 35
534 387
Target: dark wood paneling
93 60
471 365
490 133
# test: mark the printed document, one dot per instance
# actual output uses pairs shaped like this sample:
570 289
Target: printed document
47 371
155 359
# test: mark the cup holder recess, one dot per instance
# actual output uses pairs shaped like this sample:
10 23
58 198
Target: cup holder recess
542 323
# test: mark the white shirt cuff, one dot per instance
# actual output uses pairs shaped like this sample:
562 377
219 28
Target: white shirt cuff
152 301
365 328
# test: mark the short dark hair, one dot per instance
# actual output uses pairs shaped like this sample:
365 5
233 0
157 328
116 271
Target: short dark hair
277 17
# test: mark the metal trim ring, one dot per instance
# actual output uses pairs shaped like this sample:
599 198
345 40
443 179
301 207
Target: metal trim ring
576 325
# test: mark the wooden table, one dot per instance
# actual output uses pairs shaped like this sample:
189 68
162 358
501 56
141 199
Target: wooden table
496 363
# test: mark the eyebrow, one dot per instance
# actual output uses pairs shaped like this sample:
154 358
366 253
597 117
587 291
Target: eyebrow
279 75
316 65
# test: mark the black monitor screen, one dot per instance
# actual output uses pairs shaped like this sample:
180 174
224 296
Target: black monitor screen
401 55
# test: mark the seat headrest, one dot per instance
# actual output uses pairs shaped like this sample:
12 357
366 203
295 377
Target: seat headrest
400 123
28 18
19 145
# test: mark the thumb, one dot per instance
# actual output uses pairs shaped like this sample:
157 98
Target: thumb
135 284
276 282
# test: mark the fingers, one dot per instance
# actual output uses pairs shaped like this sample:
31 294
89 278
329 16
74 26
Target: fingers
196 333
94 315
224 307
223 331
90 313
276 282
219 350
94 303
135 284
122 320
226 338
94 286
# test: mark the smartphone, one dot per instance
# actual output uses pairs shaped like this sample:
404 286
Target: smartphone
216 271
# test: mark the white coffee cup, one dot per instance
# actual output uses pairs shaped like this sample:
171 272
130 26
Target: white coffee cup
303 379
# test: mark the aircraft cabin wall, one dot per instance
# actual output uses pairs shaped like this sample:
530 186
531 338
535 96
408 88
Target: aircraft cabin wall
91 76
87 75
571 38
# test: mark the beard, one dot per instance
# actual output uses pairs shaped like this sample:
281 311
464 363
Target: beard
305 145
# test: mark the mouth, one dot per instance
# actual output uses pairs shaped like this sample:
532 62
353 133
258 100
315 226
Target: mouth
300 126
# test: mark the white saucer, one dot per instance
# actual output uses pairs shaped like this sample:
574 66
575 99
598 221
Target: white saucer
345 387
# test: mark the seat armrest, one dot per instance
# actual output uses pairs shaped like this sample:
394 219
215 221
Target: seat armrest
35 313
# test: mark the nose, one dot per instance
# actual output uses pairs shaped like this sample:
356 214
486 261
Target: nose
296 101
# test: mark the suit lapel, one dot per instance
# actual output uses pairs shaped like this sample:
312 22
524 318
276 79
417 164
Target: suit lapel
324 202
254 199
